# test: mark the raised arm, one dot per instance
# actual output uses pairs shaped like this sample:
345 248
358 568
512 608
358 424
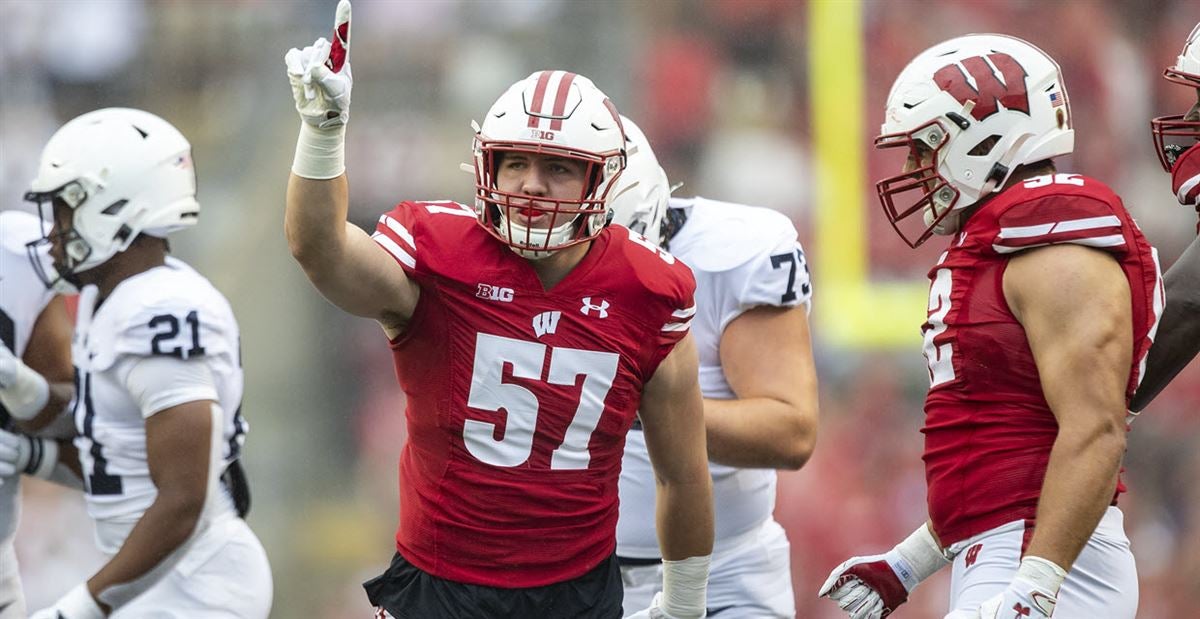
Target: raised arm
767 357
1178 338
344 264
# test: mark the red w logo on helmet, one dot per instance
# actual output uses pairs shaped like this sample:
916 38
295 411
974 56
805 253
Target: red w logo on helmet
988 92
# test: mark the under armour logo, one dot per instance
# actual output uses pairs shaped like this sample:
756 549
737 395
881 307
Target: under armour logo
601 309
1044 603
973 554
546 322
1022 611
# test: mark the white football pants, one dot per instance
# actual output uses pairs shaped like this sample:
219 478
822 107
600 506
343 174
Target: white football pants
1102 583
225 575
750 578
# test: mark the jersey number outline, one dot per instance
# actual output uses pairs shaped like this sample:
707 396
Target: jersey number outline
489 392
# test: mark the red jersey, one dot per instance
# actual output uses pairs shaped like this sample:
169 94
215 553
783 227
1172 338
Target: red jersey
988 429
519 398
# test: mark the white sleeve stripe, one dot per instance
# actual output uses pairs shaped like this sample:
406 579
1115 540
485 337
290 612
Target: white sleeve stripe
394 249
1186 188
1070 225
677 326
456 210
686 312
400 230
1114 240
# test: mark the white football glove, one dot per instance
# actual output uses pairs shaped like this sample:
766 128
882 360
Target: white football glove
321 83
320 75
23 392
25 454
1032 594
872 587
76 604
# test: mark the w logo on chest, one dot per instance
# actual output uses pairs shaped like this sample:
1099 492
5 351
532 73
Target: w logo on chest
989 92
546 323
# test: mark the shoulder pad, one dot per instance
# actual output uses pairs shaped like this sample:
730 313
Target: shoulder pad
1073 209
720 236
414 228
169 311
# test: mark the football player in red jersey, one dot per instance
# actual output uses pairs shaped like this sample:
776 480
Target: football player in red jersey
1041 312
1177 142
526 334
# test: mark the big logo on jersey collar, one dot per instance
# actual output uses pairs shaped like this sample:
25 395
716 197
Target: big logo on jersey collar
989 92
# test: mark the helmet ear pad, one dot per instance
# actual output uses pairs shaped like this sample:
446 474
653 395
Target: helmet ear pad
549 113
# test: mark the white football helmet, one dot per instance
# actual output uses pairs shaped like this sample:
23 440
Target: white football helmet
1175 134
640 196
122 172
970 111
549 113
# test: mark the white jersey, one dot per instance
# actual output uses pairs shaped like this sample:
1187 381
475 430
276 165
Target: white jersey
743 257
23 296
169 310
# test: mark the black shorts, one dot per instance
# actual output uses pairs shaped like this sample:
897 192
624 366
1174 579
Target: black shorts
410 593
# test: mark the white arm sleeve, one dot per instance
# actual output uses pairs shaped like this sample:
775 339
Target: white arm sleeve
160 382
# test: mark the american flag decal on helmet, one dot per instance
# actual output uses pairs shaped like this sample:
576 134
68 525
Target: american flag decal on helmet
555 110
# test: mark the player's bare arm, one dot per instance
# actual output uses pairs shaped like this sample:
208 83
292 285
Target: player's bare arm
180 451
773 421
1074 303
673 421
1178 338
49 354
342 262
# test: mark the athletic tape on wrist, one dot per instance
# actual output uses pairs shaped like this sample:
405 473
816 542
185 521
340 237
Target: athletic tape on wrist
685 587
320 153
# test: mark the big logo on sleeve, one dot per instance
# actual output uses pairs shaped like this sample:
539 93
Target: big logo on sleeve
989 92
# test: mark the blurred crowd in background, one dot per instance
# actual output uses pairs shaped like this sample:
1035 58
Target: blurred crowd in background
721 88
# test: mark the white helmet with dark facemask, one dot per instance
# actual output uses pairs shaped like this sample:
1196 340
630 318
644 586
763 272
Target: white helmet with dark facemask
970 111
640 196
122 172
549 113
